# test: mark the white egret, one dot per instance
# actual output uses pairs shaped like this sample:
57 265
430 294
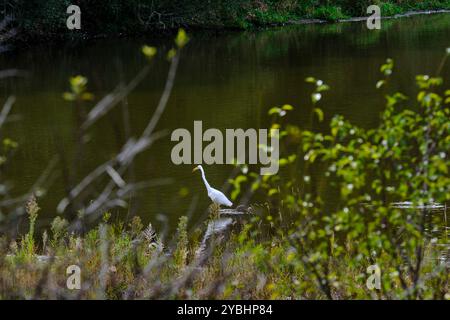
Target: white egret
215 195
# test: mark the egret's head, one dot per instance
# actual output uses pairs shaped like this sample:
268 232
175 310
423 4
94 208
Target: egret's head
197 168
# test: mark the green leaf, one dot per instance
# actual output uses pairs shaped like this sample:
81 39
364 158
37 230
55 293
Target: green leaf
315 97
322 88
148 51
78 81
68 96
274 110
292 158
182 39
319 113
380 84
172 52
282 162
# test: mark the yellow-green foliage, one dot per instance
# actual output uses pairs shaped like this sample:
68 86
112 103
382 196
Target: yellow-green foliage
248 265
27 248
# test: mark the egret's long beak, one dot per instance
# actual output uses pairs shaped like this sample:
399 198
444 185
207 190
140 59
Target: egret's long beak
195 169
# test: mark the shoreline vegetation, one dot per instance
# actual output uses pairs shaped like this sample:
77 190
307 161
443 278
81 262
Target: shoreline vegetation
46 20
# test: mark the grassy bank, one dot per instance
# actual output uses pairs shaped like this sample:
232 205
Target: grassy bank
39 19
127 261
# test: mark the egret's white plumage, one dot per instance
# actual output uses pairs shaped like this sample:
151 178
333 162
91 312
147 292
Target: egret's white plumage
215 195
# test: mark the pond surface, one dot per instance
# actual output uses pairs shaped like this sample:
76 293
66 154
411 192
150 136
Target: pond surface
227 80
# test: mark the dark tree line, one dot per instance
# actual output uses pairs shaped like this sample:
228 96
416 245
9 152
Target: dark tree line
46 18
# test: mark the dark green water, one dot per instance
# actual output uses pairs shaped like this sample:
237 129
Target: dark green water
226 80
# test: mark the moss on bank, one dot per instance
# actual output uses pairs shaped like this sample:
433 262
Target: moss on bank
40 19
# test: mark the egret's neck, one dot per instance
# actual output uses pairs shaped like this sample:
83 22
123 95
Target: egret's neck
204 179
